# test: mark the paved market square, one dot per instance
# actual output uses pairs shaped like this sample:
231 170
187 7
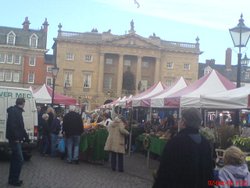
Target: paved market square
47 172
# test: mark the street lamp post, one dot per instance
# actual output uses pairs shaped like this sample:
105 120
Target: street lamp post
244 66
240 36
245 61
55 71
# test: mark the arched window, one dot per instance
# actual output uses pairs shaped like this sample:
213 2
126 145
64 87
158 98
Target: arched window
11 38
33 41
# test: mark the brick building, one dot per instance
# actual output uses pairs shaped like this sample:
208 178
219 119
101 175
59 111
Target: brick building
22 55
227 69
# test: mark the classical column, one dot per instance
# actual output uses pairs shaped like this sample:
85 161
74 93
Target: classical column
120 76
100 73
138 73
157 70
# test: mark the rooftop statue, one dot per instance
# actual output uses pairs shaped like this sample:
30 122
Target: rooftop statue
132 27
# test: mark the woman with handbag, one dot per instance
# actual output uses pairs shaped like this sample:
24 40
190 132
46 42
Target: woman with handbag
115 142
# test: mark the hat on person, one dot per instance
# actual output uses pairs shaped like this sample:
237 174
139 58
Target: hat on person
192 117
45 116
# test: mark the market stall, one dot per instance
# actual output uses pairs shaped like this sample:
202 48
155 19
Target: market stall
43 95
211 83
155 144
238 98
152 144
124 101
92 145
138 100
111 104
157 101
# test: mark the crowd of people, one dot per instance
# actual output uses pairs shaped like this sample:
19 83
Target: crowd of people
54 126
187 159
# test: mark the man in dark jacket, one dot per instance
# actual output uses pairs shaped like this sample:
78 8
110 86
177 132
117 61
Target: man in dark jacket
72 128
54 131
187 158
16 134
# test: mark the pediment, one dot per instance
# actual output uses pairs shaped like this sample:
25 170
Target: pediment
132 41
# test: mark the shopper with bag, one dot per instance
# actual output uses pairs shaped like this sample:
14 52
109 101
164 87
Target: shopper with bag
61 146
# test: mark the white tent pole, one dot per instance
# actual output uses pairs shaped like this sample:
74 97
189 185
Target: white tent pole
205 119
130 133
150 114
179 118
200 112
137 111
130 141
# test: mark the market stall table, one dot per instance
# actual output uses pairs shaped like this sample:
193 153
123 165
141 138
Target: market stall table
156 145
92 144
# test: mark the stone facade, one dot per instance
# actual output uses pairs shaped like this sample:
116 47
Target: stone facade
93 65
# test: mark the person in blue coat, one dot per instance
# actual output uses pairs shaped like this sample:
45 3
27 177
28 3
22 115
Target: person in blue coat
235 172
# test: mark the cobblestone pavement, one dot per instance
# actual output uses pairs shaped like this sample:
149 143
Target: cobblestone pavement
47 172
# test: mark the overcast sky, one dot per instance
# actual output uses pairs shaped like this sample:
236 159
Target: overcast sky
172 20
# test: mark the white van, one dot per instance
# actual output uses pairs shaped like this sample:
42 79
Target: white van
8 96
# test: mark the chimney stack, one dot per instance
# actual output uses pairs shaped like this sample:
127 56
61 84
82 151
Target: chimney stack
45 25
26 24
210 62
228 59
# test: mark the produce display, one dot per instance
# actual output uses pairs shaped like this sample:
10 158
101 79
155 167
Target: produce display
92 143
91 126
160 134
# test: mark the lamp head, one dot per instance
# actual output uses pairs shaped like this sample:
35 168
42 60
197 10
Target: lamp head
240 34
245 60
55 71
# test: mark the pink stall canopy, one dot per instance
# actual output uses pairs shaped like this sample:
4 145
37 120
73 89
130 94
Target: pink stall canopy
157 101
138 100
111 104
191 95
44 95
123 102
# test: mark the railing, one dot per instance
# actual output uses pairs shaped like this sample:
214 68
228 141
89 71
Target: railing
180 44
164 43
69 34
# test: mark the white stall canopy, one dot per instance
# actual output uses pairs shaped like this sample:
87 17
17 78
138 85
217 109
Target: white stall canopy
233 99
211 83
158 100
